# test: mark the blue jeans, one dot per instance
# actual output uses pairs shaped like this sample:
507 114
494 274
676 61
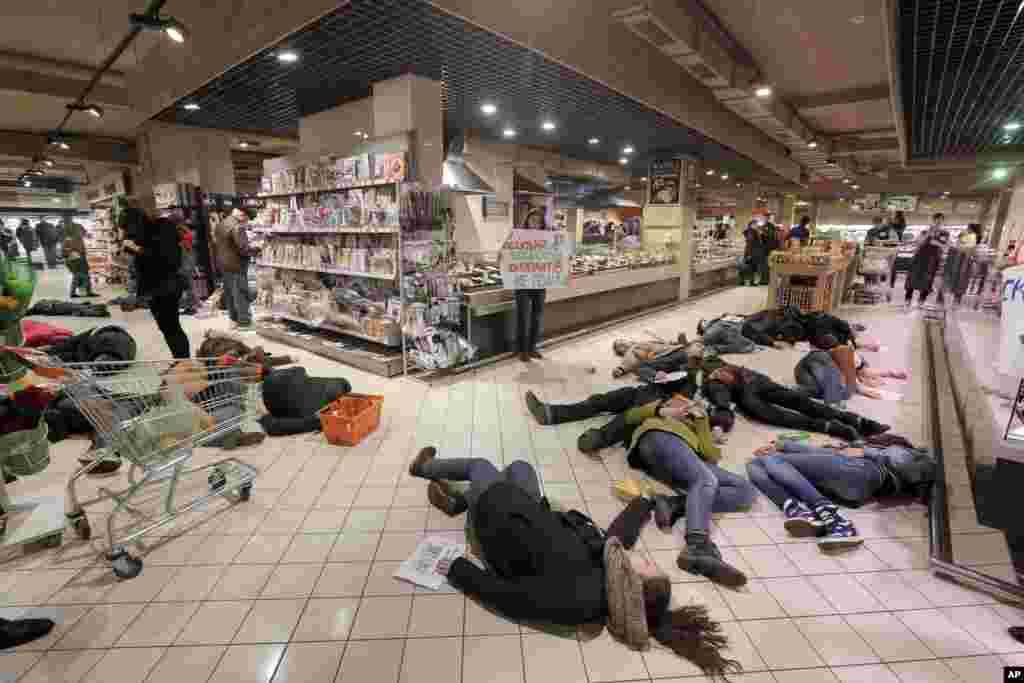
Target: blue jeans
236 297
810 474
709 488
725 336
481 474
819 375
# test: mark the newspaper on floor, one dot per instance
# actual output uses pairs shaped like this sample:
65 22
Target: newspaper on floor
421 568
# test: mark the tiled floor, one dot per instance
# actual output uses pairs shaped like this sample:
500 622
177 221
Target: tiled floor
297 585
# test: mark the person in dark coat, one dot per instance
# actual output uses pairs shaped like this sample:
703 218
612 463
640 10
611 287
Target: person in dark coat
27 237
925 263
154 241
49 237
549 566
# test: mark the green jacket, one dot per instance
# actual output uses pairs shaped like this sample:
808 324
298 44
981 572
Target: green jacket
695 431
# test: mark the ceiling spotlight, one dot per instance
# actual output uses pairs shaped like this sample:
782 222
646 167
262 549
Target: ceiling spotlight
846 181
763 91
243 144
697 185
644 179
855 187
288 56
174 29
57 140
1000 174
27 183
594 141
488 108
509 133
358 133
548 125
813 144
628 149
191 106
725 176
43 161
709 172
1012 125
628 188
55 200
91 109
623 161
35 172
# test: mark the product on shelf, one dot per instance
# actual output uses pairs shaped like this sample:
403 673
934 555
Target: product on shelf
337 174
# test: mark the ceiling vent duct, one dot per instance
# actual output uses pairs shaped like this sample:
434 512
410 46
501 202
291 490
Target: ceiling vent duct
685 34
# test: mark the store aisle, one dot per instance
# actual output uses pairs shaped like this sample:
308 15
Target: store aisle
297 584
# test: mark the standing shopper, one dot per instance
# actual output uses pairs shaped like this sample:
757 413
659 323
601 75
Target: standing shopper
154 241
231 246
188 267
48 237
925 263
27 237
77 261
530 302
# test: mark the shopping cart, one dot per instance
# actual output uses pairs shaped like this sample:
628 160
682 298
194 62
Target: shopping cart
876 264
153 414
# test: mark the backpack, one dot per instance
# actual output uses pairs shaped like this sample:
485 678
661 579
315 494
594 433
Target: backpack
593 536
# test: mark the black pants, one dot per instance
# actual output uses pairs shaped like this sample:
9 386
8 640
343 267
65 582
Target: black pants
776 405
164 307
616 402
529 317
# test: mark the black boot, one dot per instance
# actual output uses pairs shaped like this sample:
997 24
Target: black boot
840 430
15 632
870 427
668 510
541 411
702 557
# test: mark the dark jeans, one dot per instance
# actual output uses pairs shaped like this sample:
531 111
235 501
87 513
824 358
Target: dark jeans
709 488
726 336
529 318
813 474
617 401
80 276
820 376
236 297
481 474
50 252
164 308
777 405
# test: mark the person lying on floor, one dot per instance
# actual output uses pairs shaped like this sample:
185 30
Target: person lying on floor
618 401
805 481
837 374
558 567
760 398
725 335
635 354
672 443
776 327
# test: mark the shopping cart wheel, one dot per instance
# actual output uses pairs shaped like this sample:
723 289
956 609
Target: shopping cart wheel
244 492
124 565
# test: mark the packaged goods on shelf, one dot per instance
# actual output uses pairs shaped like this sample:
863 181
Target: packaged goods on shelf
342 254
365 169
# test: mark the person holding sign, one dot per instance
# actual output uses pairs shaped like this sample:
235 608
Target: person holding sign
529 300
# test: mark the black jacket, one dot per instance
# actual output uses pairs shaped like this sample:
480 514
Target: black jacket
817 325
541 570
160 260
765 327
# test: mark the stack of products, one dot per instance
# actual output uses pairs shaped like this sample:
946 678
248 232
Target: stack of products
371 209
343 255
365 169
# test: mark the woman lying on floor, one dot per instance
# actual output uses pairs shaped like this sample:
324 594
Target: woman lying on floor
836 374
558 567
804 481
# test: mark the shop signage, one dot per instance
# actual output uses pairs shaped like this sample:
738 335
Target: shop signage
664 181
899 202
869 202
1011 326
939 205
536 259
495 210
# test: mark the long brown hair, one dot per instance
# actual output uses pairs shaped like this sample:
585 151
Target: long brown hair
688 631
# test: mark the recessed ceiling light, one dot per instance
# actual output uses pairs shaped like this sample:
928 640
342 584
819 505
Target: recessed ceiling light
628 149
628 187
594 141
358 133
1000 174
366 136
488 108
509 132
288 56
1012 125
623 161
763 91
243 144
725 176
191 106
709 172
697 185
859 19
548 125
846 181
813 144
856 187
644 179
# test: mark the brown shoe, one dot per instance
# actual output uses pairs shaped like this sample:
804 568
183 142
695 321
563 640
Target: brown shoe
242 439
425 455
441 496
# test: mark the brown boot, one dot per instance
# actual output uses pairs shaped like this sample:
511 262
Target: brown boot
425 455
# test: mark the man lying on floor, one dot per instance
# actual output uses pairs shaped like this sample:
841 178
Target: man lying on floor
778 327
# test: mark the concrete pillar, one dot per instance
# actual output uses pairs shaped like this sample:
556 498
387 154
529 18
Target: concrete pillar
787 214
181 154
746 201
671 225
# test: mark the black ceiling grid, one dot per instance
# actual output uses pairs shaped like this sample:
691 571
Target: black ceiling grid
962 74
367 41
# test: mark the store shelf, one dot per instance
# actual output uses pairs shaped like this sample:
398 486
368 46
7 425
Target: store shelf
369 230
327 270
357 186
393 341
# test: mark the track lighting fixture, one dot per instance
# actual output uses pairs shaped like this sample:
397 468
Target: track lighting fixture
93 110
58 140
43 161
174 29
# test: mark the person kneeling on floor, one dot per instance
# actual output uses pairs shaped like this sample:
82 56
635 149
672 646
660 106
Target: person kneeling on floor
804 481
672 443
556 567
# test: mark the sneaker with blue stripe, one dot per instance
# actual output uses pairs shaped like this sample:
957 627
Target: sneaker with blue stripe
839 531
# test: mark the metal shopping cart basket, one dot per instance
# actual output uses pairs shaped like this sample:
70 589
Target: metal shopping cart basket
876 264
152 414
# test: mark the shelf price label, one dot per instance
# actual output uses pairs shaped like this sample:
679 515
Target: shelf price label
536 259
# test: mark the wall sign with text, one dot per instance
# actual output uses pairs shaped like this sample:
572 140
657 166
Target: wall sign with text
664 180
